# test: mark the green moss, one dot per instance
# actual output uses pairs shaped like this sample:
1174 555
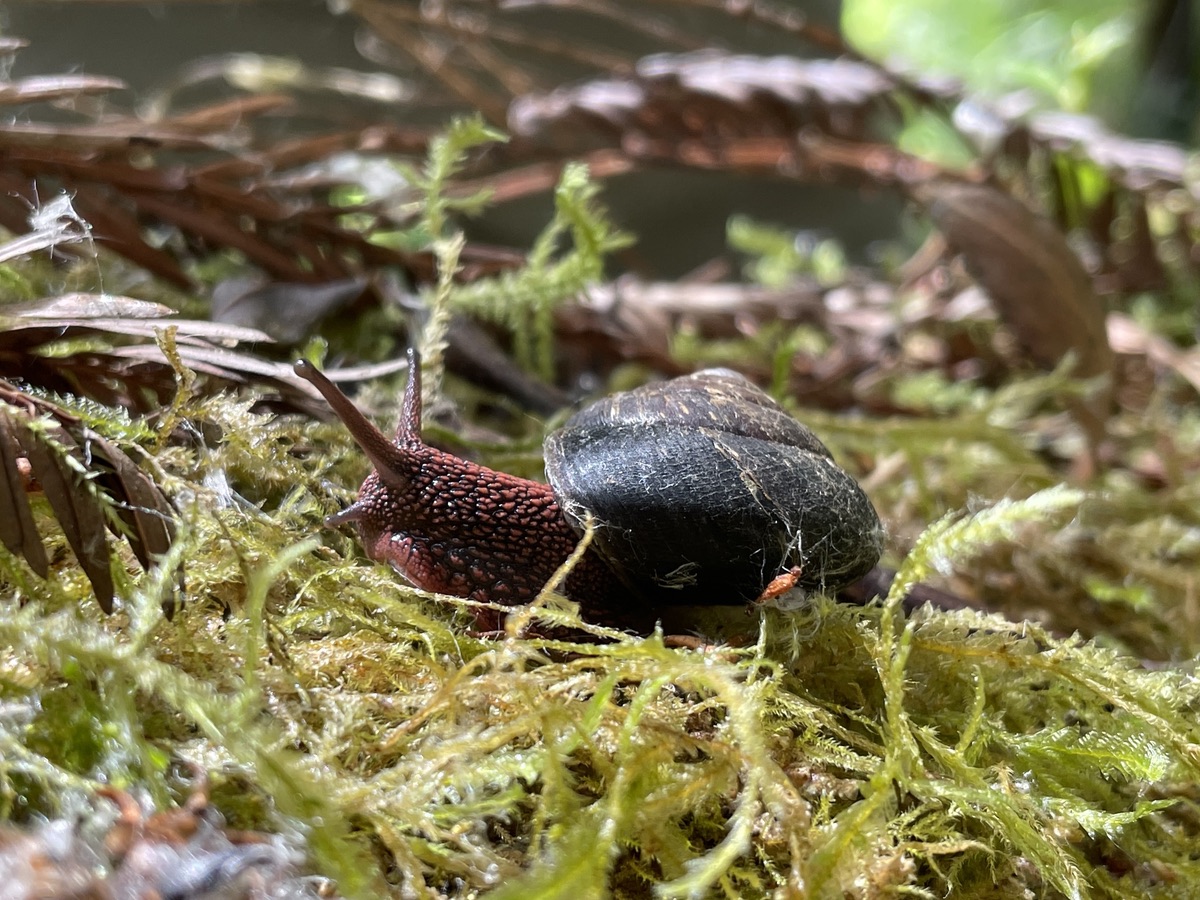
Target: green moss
847 747
842 752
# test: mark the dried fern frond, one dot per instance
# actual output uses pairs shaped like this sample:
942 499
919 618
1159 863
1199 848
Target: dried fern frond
193 170
91 485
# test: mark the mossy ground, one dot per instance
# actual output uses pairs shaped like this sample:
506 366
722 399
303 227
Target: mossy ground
844 752
1049 749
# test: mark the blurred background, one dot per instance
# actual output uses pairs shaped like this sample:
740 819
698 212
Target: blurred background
1131 64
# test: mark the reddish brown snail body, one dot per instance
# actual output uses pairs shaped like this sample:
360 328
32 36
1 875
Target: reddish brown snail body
702 490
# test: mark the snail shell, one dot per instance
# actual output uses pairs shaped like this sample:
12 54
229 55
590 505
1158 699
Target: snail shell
703 489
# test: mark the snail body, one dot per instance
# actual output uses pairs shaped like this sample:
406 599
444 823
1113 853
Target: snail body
702 490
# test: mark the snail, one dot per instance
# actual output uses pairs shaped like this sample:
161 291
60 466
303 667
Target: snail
703 490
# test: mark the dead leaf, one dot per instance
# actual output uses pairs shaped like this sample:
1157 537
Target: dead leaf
1032 275
56 87
75 507
17 529
80 473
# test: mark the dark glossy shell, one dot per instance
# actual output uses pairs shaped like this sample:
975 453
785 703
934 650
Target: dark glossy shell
704 489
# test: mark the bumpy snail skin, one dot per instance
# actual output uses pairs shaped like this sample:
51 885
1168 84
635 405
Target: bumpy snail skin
454 527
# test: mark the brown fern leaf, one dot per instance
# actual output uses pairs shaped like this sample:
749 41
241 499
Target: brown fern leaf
710 95
206 172
488 54
141 505
90 484
17 528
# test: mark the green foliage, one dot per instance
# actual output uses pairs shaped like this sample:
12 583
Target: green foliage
952 540
777 257
1077 56
523 300
844 746
447 153
1054 49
